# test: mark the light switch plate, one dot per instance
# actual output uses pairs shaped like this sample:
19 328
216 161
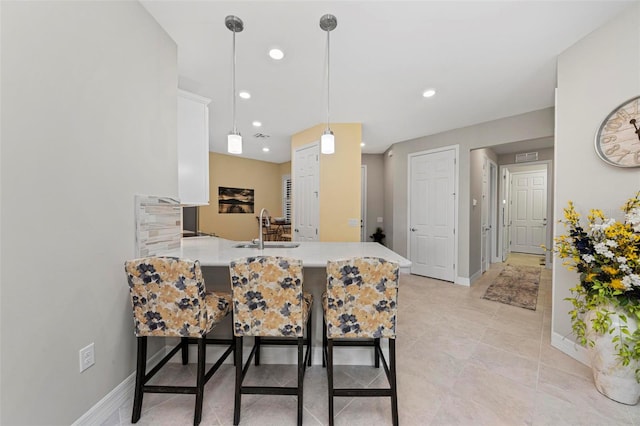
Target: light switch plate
354 223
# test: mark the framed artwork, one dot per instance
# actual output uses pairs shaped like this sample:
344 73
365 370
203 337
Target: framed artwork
235 200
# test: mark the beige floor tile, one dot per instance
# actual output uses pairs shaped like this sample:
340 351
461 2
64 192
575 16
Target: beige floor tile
553 411
418 400
555 358
511 342
456 411
316 396
514 367
509 400
365 412
580 392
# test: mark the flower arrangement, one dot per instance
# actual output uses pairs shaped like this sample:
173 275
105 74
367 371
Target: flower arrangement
607 256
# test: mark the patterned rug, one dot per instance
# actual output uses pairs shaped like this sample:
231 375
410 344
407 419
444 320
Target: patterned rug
516 285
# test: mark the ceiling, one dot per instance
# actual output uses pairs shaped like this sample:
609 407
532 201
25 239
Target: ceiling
486 60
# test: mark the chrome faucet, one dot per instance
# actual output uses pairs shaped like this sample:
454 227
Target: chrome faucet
261 234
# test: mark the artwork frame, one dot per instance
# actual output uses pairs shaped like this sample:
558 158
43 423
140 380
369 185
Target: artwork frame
235 200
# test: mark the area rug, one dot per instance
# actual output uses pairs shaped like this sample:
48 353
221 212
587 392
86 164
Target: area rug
516 285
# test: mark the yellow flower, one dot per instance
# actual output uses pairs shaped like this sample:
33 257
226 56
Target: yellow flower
595 214
617 284
610 270
590 276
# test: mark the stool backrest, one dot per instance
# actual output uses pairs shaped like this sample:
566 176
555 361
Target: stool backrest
267 296
167 297
362 298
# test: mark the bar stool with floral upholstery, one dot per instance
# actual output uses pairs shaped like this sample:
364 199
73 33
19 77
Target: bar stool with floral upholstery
169 299
269 304
360 307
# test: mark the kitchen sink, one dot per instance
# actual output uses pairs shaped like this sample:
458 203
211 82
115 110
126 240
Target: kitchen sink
267 246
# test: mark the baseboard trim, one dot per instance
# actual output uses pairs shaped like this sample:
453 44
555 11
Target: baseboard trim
104 408
574 350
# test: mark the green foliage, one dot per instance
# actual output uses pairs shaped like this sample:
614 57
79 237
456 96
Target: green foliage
606 255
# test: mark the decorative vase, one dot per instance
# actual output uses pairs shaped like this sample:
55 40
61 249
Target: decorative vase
613 379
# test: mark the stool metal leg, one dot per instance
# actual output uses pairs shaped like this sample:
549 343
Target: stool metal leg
324 343
202 355
257 344
140 373
392 381
184 344
238 395
309 339
300 378
376 343
330 378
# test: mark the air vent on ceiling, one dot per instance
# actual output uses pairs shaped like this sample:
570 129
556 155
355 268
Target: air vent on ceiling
526 156
260 136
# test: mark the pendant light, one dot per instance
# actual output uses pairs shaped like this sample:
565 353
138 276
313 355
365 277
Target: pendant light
327 142
234 139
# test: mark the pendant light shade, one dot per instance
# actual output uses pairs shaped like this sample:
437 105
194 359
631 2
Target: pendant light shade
234 139
327 142
234 143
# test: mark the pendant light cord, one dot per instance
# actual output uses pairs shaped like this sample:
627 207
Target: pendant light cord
328 76
233 94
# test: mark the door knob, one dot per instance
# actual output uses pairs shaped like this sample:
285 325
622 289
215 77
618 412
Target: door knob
413 229
296 230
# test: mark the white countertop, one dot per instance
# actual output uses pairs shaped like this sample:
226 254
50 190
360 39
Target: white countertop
214 251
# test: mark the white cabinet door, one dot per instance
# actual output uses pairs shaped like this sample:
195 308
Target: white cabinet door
193 149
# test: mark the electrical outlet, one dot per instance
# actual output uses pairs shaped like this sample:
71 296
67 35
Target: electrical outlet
87 357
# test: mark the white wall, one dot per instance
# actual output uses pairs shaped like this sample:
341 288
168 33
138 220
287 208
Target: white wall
594 76
88 120
531 125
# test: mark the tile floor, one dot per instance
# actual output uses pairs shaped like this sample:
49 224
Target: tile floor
462 360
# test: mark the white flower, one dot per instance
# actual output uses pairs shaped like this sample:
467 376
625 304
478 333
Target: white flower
631 280
633 218
624 267
604 225
621 259
588 258
602 249
611 243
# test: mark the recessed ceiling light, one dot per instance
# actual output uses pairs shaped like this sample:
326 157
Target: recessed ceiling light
265 149
361 143
256 124
276 54
429 93
244 94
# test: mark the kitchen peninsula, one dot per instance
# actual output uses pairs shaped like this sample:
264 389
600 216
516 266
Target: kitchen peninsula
215 254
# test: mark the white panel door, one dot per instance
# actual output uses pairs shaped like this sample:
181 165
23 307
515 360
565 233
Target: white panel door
528 211
505 213
485 247
306 183
432 214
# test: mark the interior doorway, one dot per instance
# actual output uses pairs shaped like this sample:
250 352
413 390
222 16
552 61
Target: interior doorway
306 187
525 207
432 207
489 239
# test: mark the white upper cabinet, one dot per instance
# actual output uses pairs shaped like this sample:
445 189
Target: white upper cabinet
193 149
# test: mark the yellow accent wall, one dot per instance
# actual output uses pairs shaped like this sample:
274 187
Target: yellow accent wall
235 172
339 180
